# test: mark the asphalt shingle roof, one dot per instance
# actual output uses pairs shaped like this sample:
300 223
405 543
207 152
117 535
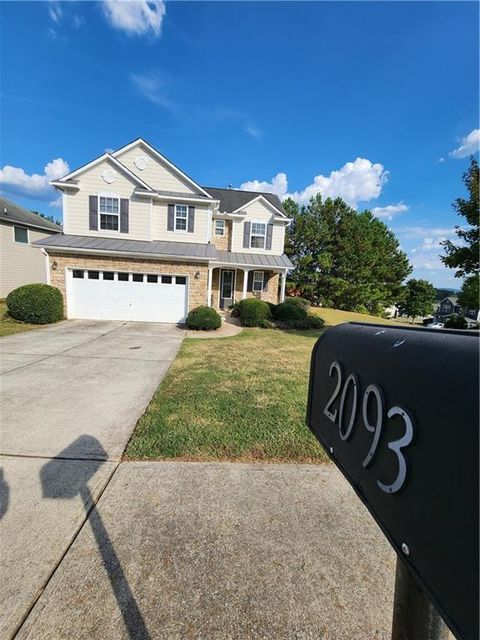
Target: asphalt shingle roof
233 199
11 212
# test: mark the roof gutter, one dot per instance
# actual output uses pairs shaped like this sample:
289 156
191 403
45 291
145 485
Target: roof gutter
160 196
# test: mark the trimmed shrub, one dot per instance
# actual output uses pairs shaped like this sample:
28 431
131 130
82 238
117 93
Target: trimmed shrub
272 308
254 313
299 302
287 312
234 309
456 322
309 322
35 303
203 318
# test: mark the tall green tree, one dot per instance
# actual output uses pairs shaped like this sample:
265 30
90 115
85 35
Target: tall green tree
417 300
469 296
344 259
465 257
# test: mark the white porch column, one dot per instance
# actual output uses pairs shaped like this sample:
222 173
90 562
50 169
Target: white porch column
283 283
209 287
245 282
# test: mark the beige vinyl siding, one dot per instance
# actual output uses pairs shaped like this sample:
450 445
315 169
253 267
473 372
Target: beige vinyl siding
76 206
160 219
20 263
260 212
157 174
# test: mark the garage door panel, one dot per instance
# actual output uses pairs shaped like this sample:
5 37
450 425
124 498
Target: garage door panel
102 299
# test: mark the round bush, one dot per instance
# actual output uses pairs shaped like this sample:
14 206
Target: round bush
204 318
456 322
35 303
285 312
299 302
254 313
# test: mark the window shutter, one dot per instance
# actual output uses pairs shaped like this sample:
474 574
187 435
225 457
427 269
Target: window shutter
124 206
93 213
250 276
246 236
268 242
171 218
191 219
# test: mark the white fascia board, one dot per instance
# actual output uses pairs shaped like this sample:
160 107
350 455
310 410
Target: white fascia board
64 185
106 156
163 159
160 196
263 199
125 254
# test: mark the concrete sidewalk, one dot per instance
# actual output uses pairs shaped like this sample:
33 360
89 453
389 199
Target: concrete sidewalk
222 551
71 395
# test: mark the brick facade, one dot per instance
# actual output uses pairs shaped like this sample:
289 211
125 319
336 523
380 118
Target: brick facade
197 287
223 243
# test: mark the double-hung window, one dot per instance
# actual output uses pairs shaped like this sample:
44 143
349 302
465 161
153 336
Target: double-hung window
219 227
181 216
257 282
258 233
109 209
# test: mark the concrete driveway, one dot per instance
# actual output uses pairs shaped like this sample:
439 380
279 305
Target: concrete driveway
71 396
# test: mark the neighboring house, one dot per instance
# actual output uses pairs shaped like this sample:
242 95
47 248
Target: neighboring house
21 261
143 241
449 306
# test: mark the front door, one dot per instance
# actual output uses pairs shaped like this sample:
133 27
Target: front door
227 285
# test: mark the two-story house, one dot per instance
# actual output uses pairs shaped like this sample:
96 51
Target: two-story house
21 261
143 241
449 306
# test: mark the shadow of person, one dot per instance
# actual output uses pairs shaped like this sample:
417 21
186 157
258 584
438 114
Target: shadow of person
61 480
4 495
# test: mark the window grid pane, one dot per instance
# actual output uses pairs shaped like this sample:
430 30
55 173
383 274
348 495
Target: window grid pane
20 235
108 222
108 205
219 227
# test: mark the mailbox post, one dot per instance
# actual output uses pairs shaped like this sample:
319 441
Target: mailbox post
397 411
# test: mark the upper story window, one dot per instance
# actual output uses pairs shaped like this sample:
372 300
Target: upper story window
219 227
109 209
20 234
181 216
258 233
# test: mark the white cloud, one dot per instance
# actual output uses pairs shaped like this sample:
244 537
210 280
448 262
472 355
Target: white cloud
390 211
468 145
15 180
57 203
430 244
358 181
253 131
152 87
55 11
278 185
135 17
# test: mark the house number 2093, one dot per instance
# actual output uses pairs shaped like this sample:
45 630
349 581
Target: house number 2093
346 423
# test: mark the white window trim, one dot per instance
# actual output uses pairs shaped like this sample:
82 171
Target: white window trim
221 235
19 226
112 196
175 219
257 280
258 235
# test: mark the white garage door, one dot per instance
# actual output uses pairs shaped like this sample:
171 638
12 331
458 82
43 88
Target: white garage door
112 295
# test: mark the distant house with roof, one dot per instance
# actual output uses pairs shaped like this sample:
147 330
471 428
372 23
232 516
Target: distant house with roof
449 306
22 262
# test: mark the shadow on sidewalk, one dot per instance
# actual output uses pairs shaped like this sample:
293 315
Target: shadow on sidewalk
60 480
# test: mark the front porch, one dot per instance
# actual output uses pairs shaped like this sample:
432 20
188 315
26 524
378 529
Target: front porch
229 284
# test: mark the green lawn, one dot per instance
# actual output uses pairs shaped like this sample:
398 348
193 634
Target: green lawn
9 325
240 398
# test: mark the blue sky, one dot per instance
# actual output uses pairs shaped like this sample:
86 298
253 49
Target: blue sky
373 101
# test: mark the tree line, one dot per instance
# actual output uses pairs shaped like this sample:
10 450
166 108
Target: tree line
351 260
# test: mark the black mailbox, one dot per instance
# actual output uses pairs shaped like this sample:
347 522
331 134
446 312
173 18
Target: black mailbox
397 411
